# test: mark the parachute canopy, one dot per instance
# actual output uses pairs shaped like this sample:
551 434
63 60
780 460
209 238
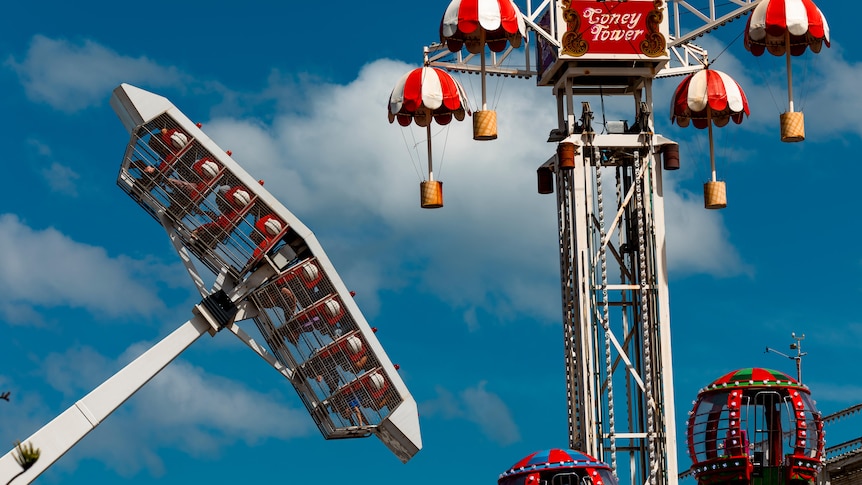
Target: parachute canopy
708 96
475 23
427 93
777 26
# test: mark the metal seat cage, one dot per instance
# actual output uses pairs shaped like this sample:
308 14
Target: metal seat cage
339 378
217 217
766 427
222 220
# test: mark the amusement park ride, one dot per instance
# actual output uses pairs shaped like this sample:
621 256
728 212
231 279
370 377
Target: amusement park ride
751 426
263 264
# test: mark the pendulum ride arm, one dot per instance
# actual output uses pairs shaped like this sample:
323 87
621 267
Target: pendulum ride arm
62 433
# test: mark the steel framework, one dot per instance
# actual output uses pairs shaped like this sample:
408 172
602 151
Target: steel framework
613 277
613 270
688 21
843 463
264 264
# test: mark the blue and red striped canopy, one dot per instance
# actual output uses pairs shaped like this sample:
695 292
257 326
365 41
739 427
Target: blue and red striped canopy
553 459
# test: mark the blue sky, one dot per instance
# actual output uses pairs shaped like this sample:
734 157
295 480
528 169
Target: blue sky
466 298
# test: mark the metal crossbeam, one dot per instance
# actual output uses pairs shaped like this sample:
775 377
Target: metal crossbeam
689 20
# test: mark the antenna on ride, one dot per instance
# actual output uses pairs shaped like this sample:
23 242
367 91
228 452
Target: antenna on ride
797 346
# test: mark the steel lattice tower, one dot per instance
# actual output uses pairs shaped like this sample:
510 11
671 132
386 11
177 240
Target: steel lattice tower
607 182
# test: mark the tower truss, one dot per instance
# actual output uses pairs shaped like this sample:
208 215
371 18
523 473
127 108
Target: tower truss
613 277
610 211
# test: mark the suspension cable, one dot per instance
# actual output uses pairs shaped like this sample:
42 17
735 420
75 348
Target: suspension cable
605 317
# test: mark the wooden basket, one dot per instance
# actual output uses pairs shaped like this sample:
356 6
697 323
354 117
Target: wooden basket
792 126
432 194
485 125
714 195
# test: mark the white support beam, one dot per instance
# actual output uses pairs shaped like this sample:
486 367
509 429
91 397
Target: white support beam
59 436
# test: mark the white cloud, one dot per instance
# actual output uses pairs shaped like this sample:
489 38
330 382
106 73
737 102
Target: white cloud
183 407
61 178
339 162
71 77
834 111
697 240
44 269
342 165
491 414
478 406
445 405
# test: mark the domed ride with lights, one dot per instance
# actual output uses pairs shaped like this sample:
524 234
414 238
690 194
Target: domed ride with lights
558 466
755 426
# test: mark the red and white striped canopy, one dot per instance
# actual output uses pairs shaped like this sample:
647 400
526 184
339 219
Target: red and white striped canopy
778 25
427 93
475 23
708 95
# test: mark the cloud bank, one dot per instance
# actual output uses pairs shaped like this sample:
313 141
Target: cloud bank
42 268
477 405
184 407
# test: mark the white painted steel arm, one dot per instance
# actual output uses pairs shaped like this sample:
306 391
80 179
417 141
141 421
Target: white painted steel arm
63 432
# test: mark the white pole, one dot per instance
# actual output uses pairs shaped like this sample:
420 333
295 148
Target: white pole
484 100
430 165
711 146
789 72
